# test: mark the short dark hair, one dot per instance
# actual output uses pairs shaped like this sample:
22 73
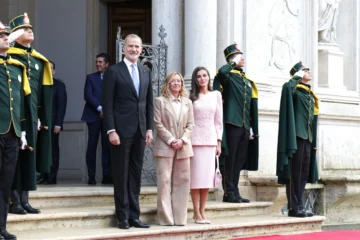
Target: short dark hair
105 56
52 64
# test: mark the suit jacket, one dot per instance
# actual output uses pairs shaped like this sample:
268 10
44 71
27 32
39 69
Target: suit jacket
123 109
59 103
167 127
92 96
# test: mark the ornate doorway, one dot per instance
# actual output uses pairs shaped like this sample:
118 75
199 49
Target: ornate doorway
134 16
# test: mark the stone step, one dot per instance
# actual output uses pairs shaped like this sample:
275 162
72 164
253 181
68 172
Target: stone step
220 228
83 195
104 216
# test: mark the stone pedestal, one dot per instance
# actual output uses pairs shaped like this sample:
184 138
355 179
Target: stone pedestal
342 198
331 67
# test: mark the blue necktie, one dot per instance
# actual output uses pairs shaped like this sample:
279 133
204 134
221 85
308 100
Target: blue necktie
101 75
135 78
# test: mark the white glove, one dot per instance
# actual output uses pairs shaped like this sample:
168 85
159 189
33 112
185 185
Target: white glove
39 124
300 73
23 140
251 136
16 34
237 58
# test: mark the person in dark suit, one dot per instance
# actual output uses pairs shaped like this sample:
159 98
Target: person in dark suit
93 116
58 114
128 119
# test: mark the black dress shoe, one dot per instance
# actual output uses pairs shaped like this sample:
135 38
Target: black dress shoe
29 209
6 235
124 224
231 199
296 213
137 223
41 181
243 200
17 209
91 181
50 182
107 180
308 213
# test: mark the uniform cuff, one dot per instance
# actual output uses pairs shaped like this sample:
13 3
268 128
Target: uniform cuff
232 64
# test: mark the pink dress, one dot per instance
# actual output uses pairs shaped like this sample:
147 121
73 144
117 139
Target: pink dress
208 129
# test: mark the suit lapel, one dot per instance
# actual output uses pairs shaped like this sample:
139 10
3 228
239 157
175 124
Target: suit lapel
169 107
124 72
141 80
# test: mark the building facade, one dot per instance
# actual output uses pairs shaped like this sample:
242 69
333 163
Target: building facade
274 35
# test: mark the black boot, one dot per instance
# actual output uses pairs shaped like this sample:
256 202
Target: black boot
15 206
6 235
25 203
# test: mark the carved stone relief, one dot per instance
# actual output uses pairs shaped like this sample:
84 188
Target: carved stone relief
328 14
283 32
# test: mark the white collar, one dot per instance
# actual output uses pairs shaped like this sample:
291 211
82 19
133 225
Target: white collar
172 98
128 63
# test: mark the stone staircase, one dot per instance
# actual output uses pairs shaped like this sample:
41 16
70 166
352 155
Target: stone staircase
83 212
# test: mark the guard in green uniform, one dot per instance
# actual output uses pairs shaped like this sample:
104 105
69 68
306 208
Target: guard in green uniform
240 106
40 78
14 92
296 154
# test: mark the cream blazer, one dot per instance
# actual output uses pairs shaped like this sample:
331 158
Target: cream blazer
166 127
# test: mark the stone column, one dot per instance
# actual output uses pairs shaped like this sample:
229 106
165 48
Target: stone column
169 13
310 55
225 33
92 34
200 32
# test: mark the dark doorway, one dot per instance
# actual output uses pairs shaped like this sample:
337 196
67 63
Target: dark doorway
133 16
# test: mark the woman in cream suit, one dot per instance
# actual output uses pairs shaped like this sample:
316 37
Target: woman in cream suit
206 139
173 122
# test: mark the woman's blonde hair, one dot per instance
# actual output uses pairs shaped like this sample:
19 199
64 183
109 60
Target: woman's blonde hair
165 90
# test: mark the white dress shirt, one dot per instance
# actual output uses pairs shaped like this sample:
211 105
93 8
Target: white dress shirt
176 104
128 64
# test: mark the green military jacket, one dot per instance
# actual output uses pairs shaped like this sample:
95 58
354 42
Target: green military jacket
14 87
41 81
304 108
299 108
240 107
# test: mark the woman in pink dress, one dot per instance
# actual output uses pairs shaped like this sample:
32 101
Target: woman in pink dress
206 140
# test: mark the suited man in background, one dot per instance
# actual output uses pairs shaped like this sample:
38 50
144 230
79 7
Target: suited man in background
93 116
128 119
58 113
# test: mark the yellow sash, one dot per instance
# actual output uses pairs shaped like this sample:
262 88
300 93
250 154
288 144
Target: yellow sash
47 77
317 104
26 86
254 88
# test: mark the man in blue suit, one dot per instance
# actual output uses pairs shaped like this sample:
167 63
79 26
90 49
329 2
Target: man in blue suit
93 116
